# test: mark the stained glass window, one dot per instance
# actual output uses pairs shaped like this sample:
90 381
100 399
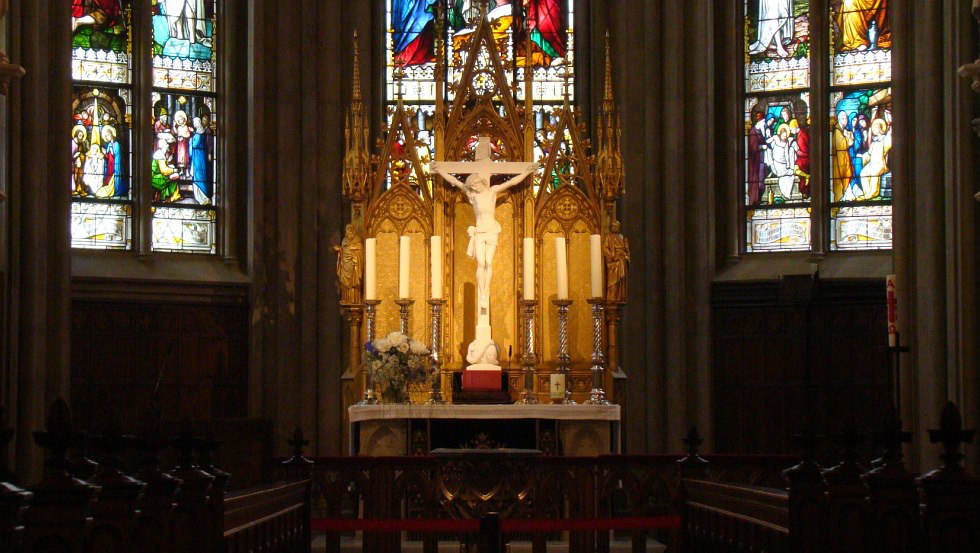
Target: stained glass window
777 125
179 172
102 198
535 33
182 165
860 126
779 131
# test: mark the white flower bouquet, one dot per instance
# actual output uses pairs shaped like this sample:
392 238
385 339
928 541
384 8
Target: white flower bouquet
394 362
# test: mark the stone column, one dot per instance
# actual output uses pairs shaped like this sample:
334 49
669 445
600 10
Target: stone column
35 322
662 53
296 138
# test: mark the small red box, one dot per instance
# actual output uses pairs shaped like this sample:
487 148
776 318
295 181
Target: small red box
482 381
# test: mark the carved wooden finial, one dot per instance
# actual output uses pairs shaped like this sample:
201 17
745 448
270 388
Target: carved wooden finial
6 434
693 441
298 442
952 436
692 464
57 431
890 438
184 443
298 461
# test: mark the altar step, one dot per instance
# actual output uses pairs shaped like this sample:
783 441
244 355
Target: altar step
615 546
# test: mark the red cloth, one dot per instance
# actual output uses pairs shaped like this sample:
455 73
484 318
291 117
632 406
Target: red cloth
803 159
481 381
108 7
419 51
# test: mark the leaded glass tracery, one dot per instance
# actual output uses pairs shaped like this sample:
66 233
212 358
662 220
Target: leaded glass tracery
101 111
535 33
860 126
179 177
777 125
777 166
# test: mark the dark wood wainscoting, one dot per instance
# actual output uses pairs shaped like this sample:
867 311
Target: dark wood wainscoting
190 355
793 353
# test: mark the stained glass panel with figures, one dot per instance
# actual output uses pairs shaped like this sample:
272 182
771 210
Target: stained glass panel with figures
861 180
100 167
861 38
101 64
182 166
777 45
100 40
410 49
777 170
184 44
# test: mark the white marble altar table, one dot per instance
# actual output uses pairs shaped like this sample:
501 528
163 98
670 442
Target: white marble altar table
405 429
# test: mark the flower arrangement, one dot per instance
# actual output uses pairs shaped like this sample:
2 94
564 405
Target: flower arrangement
395 361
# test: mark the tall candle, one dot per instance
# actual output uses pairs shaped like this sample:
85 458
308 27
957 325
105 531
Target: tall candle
561 267
403 266
436 252
529 268
371 269
595 264
891 291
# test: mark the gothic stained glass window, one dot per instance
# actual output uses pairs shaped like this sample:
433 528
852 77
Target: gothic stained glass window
410 47
777 168
183 163
179 180
102 206
777 120
860 126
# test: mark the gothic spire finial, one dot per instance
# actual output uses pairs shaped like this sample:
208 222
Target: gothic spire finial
607 98
357 71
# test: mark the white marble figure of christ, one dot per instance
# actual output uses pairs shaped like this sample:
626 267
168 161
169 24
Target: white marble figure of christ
484 234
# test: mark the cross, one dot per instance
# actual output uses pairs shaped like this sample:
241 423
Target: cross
485 230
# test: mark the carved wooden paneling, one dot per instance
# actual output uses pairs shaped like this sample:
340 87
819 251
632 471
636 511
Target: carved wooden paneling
793 353
191 359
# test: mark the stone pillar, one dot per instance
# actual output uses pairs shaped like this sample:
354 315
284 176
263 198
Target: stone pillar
299 89
35 322
935 230
662 53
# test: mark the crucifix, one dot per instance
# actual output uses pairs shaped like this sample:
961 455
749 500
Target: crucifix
483 353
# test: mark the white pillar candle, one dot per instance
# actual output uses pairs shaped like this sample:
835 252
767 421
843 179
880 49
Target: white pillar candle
595 264
436 267
891 289
529 268
561 267
404 249
371 269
